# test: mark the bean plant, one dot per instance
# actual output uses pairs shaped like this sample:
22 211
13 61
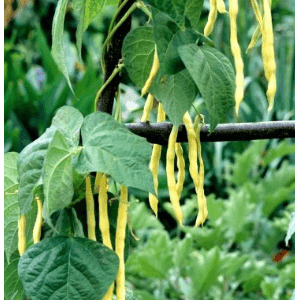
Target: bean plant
67 226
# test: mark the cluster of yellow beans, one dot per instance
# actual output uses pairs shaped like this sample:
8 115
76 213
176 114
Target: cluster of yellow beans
264 29
175 186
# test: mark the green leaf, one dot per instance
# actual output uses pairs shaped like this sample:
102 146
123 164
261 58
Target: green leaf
54 96
155 259
176 93
237 210
214 76
138 50
58 50
172 62
193 9
13 289
68 121
11 216
178 10
57 174
282 149
291 229
205 268
67 268
30 163
183 250
47 59
88 10
207 238
141 218
10 169
168 37
110 148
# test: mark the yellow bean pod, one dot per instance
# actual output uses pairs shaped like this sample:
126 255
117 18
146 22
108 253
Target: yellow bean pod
97 182
22 234
38 223
174 197
192 142
257 13
120 242
153 73
201 199
212 16
221 7
268 53
181 168
236 52
147 108
90 209
104 223
154 163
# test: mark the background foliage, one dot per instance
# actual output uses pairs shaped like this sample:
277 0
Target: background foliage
250 186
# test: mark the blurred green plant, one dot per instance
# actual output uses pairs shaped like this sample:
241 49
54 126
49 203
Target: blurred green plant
232 256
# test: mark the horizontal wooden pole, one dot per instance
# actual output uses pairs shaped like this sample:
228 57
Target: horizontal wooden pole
158 133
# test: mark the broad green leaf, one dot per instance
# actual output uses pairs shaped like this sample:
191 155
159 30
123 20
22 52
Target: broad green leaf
282 149
10 169
13 289
237 210
138 50
11 216
207 238
58 50
215 208
110 148
30 163
57 174
291 229
155 259
68 121
176 93
214 76
179 10
193 9
183 250
205 268
172 61
88 10
67 268
232 262
168 37
141 218
246 163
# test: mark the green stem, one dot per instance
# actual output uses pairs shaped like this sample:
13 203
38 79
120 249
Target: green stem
115 16
112 31
128 13
111 77
118 108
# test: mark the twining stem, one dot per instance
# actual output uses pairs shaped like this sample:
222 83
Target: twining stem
116 15
110 35
112 29
110 78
